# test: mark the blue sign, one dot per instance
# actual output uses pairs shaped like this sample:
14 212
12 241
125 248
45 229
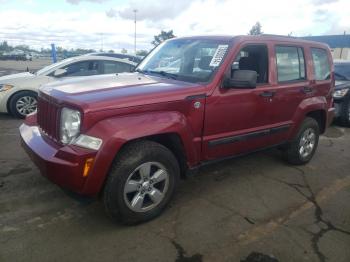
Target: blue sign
53 53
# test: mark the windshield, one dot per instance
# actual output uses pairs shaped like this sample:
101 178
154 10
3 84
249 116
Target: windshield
48 68
189 60
342 71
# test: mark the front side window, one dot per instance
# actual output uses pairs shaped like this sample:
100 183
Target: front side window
85 68
192 60
290 63
322 68
254 58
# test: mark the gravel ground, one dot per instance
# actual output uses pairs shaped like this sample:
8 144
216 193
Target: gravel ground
236 210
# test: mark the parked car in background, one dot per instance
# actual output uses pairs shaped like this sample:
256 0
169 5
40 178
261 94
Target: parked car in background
193 101
18 92
132 58
342 91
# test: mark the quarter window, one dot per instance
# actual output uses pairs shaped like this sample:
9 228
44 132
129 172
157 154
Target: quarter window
290 63
321 64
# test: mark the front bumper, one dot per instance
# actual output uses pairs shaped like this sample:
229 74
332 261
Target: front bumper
63 165
338 104
330 116
3 102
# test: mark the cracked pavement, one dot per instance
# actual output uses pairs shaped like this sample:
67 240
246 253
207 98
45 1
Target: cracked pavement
226 212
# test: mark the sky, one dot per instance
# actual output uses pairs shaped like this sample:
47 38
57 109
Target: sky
109 24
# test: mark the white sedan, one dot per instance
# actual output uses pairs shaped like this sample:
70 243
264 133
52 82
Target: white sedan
18 92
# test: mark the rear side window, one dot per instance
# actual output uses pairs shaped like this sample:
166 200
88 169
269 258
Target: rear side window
290 63
321 64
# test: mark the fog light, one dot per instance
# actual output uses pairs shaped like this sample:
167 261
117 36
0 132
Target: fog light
87 166
88 142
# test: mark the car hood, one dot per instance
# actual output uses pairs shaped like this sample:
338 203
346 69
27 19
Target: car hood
342 84
14 78
104 92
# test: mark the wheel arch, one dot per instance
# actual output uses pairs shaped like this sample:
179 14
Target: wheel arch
320 116
169 129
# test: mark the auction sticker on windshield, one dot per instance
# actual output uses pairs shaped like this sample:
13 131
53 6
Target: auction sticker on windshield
218 56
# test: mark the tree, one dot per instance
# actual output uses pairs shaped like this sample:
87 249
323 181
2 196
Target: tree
111 51
124 51
256 29
5 47
142 52
162 37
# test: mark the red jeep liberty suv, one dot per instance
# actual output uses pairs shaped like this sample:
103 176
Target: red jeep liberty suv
130 137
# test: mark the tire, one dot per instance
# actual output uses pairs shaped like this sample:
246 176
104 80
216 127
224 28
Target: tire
309 130
128 168
20 99
345 113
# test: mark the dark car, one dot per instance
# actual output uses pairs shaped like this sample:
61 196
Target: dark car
342 93
132 58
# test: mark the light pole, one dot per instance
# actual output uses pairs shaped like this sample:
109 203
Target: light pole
135 11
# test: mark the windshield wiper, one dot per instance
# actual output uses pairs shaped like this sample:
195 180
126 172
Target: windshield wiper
163 73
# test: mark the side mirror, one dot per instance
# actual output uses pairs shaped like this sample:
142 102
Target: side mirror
241 79
59 72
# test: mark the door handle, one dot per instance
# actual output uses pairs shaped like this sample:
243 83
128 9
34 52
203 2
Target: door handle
268 93
307 89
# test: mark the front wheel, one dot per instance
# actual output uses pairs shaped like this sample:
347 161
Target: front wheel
345 112
302 148
141 182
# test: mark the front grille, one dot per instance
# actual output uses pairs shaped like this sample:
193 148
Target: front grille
48 117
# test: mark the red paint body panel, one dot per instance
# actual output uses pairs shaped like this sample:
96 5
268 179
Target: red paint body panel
149 106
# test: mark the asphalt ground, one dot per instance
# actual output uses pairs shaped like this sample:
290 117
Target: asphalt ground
237 210
11 67
253 208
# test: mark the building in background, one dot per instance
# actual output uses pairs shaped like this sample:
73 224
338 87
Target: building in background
339 44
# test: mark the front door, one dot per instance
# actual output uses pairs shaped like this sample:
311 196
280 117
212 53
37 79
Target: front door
239 120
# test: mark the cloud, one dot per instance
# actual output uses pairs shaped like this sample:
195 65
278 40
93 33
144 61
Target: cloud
76 2
323 2
90 28
151 10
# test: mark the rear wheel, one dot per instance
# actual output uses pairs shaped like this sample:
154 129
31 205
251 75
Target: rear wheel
23 103
302 148
141 182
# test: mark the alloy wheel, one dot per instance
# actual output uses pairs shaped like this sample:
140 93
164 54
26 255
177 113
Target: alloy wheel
307 142
26 105
146 186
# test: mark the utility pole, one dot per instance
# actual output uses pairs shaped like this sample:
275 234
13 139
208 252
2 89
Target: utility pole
135 11
102 41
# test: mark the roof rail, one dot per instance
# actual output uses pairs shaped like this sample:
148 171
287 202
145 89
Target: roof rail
277 35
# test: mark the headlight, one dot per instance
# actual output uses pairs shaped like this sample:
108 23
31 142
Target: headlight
5 87
340 93
70 125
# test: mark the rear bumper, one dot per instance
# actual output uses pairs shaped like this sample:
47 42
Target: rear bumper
62 165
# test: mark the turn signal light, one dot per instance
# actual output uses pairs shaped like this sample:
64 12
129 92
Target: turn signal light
87 166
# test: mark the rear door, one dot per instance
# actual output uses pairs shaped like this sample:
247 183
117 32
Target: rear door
292 87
